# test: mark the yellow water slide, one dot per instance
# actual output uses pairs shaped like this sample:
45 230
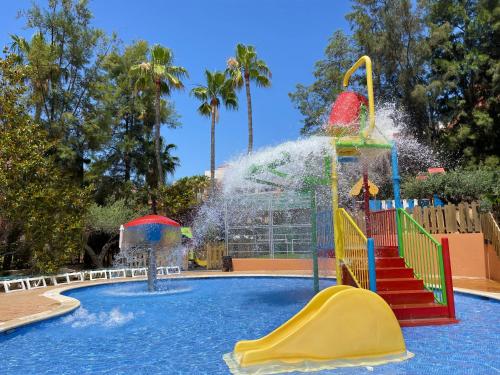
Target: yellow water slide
341 326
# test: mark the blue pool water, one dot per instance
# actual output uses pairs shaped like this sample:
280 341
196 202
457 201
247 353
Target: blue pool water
119 329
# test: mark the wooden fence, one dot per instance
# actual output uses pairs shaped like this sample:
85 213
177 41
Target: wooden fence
491 231
451 218
214 252
462 218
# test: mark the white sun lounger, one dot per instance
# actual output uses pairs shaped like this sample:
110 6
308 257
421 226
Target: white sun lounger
139 272
14 285
59 279
117 273
76 277
67 278
173 270
161 271
35 282
98 275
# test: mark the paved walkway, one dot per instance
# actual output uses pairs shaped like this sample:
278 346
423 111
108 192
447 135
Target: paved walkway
20 305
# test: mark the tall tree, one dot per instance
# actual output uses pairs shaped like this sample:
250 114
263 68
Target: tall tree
465 76
246 67
181 199
217 89
64 59
392 33
165 77
119 168
40 208
314 101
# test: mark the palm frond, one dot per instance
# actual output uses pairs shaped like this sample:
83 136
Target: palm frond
205 109
178 71
231 102
262 81
200 93
263 69
173 81
161 55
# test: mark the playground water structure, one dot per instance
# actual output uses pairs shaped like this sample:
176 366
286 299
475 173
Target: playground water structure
150 241
394 264
187 333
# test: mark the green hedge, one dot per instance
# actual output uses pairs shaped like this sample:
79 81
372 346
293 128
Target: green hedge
457 186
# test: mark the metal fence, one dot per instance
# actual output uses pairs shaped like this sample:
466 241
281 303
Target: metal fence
269 225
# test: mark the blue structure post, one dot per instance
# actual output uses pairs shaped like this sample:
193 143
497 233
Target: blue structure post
395 176
371 265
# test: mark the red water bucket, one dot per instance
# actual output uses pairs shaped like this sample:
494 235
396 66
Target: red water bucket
344 115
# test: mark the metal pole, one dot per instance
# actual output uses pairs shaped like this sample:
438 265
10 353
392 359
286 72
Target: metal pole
335 206
397 194
366 194
226 228
395 176
314 247
152 269
372 275
450 298
270 232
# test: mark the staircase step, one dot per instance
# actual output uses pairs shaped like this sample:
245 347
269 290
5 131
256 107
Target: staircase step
394 272
399 284
426 322
386 251
419 311
407 296
389 262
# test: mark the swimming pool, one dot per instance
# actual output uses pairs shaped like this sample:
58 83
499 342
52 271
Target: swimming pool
119 329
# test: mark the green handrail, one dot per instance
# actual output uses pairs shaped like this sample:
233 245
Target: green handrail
423 254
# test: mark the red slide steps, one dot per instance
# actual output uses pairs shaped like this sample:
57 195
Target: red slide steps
412 304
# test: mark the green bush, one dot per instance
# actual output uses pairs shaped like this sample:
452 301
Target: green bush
457 186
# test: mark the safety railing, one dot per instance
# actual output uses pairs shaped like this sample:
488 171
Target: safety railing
384 228
423 254
356 251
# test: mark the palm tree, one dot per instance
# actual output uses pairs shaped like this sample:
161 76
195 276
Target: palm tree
165 77
218 89
243 68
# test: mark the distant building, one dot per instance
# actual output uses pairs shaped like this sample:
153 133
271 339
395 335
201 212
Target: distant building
219 172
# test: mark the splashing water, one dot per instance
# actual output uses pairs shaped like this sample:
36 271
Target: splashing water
276 176
82 318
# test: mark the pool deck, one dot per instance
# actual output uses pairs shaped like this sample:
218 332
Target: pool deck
24 307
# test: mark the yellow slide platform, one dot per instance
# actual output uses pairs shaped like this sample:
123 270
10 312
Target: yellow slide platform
341 326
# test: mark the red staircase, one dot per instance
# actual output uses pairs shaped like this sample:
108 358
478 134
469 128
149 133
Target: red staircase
412 304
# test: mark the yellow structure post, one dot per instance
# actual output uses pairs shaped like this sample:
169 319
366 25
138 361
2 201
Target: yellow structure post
335 205
369 86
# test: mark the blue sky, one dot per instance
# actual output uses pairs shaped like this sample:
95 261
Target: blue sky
290 35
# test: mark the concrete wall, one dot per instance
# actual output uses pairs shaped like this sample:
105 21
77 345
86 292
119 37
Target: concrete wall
467 254
469 258
492 263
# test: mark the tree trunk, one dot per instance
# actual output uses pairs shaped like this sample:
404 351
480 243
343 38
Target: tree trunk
212 153
98 259
249 113
38 112
126 155
157 136
93 256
